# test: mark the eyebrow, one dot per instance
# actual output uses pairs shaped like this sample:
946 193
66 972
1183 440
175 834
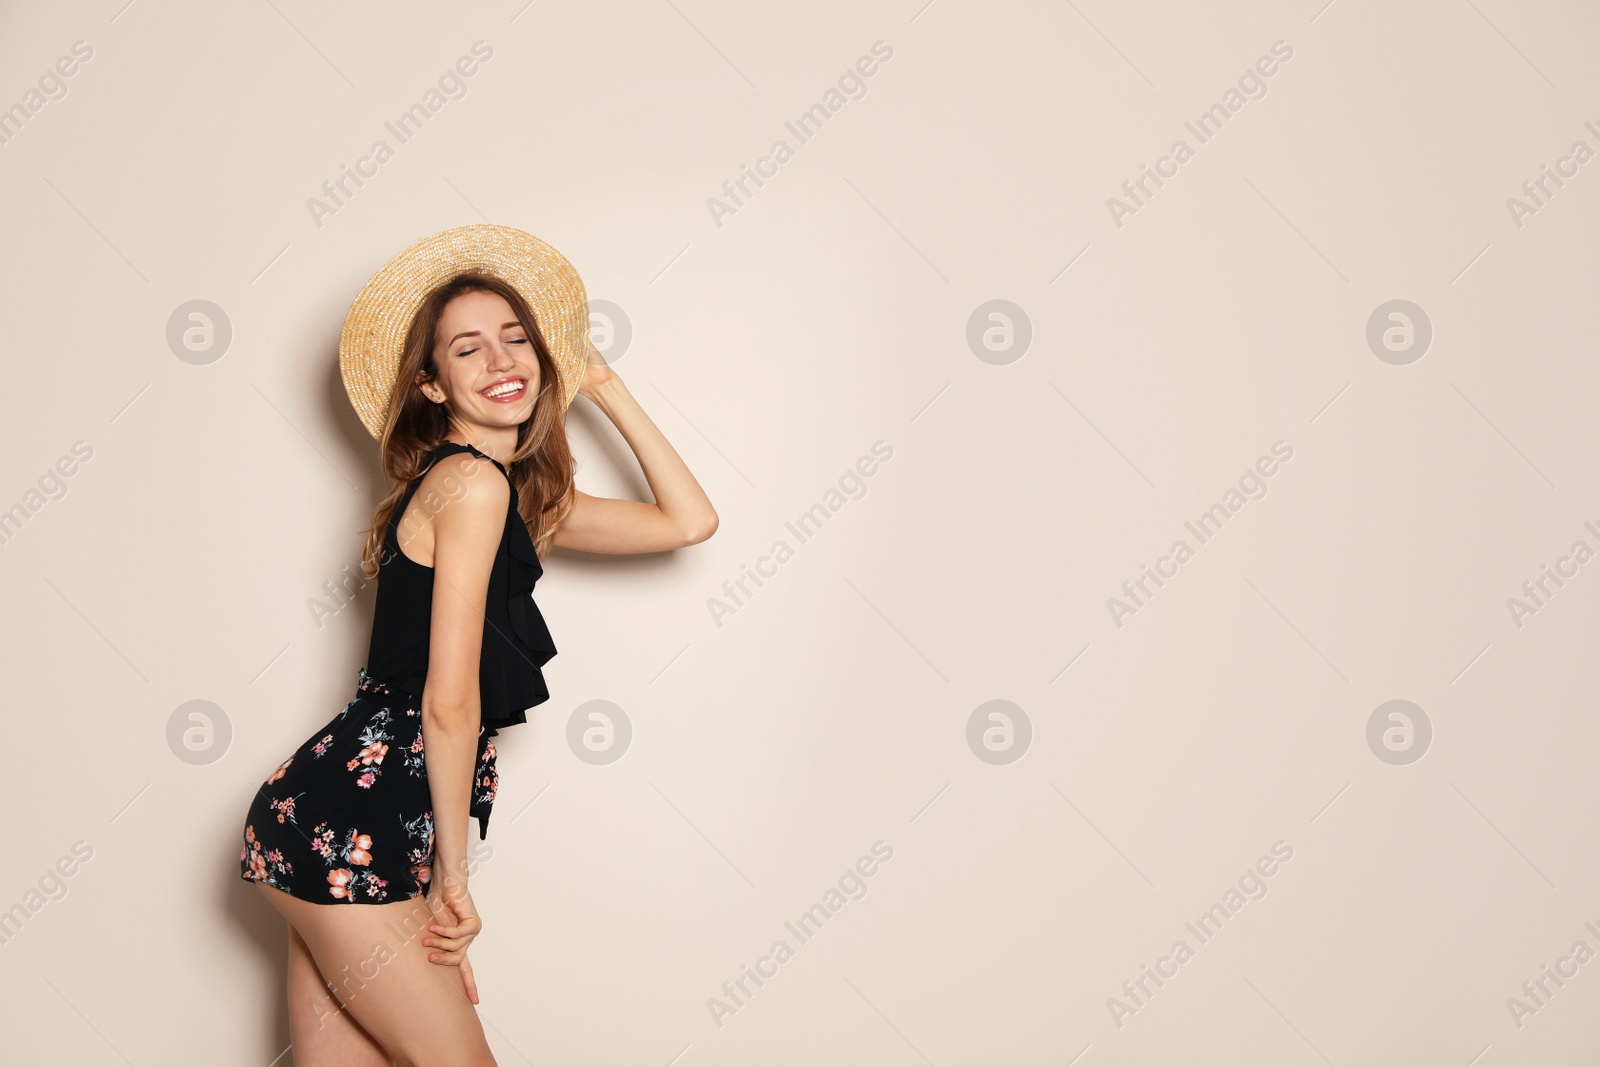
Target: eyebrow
479 333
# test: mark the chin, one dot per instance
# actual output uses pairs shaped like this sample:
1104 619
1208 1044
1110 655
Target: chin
501 420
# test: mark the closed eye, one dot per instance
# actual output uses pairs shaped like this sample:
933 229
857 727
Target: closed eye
513 340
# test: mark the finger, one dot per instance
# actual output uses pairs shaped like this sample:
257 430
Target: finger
468 980
448 913
468 927
457 914
458 917
436 935
448 941
446 955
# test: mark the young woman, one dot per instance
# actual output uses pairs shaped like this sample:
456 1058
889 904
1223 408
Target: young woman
360 838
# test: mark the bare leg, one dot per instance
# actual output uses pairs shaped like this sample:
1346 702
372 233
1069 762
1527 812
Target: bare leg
417 1011
321 1030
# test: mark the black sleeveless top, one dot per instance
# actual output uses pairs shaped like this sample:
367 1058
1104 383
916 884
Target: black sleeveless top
516 643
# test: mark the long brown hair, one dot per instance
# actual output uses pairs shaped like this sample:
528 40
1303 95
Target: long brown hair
541 468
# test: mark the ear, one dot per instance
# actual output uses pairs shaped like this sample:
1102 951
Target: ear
428 388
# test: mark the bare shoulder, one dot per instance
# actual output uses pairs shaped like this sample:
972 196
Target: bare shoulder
461 498
466 492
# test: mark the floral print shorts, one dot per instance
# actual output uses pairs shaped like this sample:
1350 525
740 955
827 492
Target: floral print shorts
348 818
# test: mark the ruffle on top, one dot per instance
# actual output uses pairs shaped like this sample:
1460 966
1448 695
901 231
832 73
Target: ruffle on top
517 643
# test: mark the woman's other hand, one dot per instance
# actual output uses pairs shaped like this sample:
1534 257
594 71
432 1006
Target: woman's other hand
456 923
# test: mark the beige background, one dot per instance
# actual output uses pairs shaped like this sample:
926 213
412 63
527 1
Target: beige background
831 711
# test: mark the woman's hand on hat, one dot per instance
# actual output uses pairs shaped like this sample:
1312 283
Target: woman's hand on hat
596 372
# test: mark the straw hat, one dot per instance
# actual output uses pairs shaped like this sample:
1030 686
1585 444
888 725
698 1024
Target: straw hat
375 329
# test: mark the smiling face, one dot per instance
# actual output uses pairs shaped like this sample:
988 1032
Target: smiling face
488 372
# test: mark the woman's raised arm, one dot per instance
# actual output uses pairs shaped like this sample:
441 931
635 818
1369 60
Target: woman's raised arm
681 515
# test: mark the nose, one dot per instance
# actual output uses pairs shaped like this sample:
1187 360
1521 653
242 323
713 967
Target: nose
500 356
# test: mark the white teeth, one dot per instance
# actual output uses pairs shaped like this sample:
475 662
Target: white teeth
504 390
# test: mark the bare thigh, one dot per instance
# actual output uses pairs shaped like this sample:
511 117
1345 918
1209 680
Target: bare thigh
373 957
320 1030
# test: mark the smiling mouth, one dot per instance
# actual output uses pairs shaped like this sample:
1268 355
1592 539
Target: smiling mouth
506 391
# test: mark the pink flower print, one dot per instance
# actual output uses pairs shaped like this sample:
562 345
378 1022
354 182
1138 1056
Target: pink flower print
284 766
338 881
284 808
373 753
322 746
359 849
323 842
366 780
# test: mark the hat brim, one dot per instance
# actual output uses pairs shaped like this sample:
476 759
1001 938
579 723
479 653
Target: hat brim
374 334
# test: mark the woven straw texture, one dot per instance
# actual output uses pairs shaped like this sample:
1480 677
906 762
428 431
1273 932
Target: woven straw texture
375 329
